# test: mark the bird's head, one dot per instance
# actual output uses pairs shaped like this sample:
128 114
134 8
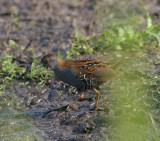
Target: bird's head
50 61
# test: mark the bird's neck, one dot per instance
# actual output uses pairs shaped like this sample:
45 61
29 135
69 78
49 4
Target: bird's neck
59 64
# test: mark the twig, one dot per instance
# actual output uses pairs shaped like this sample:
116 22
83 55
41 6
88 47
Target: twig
57 109
26 47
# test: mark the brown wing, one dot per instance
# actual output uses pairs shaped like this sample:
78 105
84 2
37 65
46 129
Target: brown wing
87 67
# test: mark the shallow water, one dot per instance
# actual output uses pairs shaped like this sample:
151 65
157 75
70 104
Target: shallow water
15 122
130 101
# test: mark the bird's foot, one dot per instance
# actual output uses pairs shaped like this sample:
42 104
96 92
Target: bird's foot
70 106
99 109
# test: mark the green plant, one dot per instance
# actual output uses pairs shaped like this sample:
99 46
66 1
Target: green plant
80 45
117 37
11 70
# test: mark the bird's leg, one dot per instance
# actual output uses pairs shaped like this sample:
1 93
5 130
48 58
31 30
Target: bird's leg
97 99
71 104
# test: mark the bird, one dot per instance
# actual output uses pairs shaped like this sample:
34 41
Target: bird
82 74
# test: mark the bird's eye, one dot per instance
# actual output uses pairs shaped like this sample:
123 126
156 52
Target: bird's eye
46 60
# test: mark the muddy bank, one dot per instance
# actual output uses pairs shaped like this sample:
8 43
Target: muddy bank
83 124
50 25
